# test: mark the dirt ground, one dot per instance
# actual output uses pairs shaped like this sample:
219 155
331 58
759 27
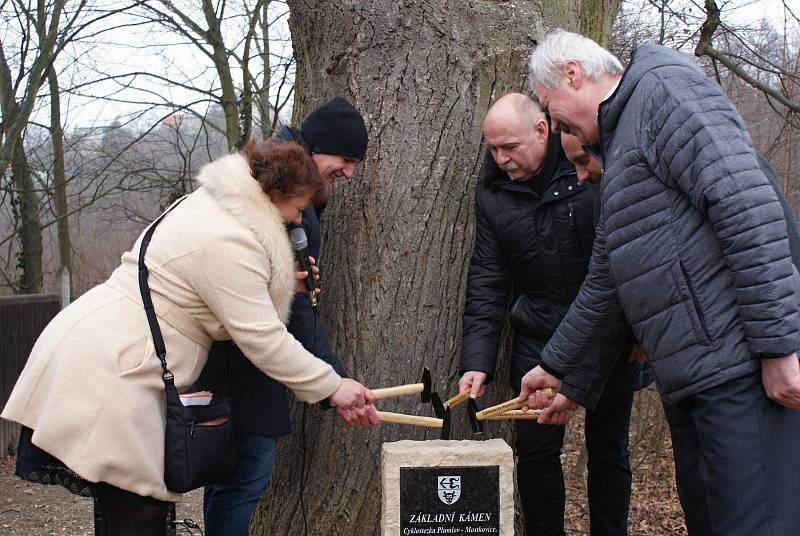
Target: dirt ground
35 510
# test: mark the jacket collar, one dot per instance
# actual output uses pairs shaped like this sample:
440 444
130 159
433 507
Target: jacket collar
229 181
556 166
644 59
287 133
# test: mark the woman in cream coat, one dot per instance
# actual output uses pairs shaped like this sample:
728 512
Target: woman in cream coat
221 267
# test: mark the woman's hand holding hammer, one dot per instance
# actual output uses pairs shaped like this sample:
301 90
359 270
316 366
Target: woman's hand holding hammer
350 395
354 403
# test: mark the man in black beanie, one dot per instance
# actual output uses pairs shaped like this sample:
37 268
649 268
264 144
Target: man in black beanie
335 136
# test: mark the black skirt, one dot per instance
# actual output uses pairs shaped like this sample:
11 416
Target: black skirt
35 465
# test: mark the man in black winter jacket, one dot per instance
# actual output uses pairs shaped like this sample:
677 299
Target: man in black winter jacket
335 136
534 232
695 247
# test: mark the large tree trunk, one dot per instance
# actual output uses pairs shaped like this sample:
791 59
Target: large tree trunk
397 239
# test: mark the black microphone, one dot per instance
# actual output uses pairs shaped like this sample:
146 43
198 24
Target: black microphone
297 236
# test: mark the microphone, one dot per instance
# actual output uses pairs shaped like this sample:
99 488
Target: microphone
299 240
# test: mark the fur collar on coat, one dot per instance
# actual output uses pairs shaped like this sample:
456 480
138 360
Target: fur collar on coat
230 183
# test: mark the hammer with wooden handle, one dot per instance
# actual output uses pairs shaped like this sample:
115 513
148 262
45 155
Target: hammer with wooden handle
472 413
515 414
416 420
510 405
424 389
443 420
458 399
472 408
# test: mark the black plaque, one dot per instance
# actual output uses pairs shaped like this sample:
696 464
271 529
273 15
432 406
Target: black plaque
450 500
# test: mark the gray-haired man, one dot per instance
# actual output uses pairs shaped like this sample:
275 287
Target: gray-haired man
692 245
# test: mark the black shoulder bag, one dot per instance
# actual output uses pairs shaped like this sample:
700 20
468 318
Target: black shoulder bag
199 440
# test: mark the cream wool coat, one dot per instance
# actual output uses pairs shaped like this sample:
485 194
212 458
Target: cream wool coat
221 267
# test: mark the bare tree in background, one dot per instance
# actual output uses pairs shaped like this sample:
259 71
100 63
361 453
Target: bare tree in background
23 70
711 32
781 83
111 175
277 58
237 63
59 177
754 60
35 34
22 73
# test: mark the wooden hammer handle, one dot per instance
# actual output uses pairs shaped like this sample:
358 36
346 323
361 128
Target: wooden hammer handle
401 418
511 404
513 414
400 390
458 399
499 408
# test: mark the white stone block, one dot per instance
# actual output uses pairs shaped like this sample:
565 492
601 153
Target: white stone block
448 488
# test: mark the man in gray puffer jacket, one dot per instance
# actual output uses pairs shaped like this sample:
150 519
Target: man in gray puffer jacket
692 246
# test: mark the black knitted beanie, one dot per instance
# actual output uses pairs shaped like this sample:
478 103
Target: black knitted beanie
335 127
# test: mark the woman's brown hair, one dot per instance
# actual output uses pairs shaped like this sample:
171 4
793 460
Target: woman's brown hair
283 167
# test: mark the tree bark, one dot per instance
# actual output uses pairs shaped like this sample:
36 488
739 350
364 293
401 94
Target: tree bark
30 229
592 18
398 237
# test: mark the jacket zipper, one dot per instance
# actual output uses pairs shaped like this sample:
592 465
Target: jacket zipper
574 226
700 316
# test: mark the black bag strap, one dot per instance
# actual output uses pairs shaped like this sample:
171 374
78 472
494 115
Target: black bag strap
144 288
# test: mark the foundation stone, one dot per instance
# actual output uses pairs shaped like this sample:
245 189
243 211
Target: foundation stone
447 487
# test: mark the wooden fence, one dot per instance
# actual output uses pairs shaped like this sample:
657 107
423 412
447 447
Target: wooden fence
22 319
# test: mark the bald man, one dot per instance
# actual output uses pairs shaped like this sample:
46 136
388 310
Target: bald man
533 238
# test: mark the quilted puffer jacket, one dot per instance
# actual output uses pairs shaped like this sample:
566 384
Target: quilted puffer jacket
692 242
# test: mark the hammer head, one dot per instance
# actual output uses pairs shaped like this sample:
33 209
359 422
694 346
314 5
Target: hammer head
425 395
441 413
472 412
446 424
438 406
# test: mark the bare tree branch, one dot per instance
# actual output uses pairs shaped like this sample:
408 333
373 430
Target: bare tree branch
705 47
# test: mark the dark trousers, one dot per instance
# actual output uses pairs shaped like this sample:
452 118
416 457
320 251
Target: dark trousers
122 513
540 478
737 461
